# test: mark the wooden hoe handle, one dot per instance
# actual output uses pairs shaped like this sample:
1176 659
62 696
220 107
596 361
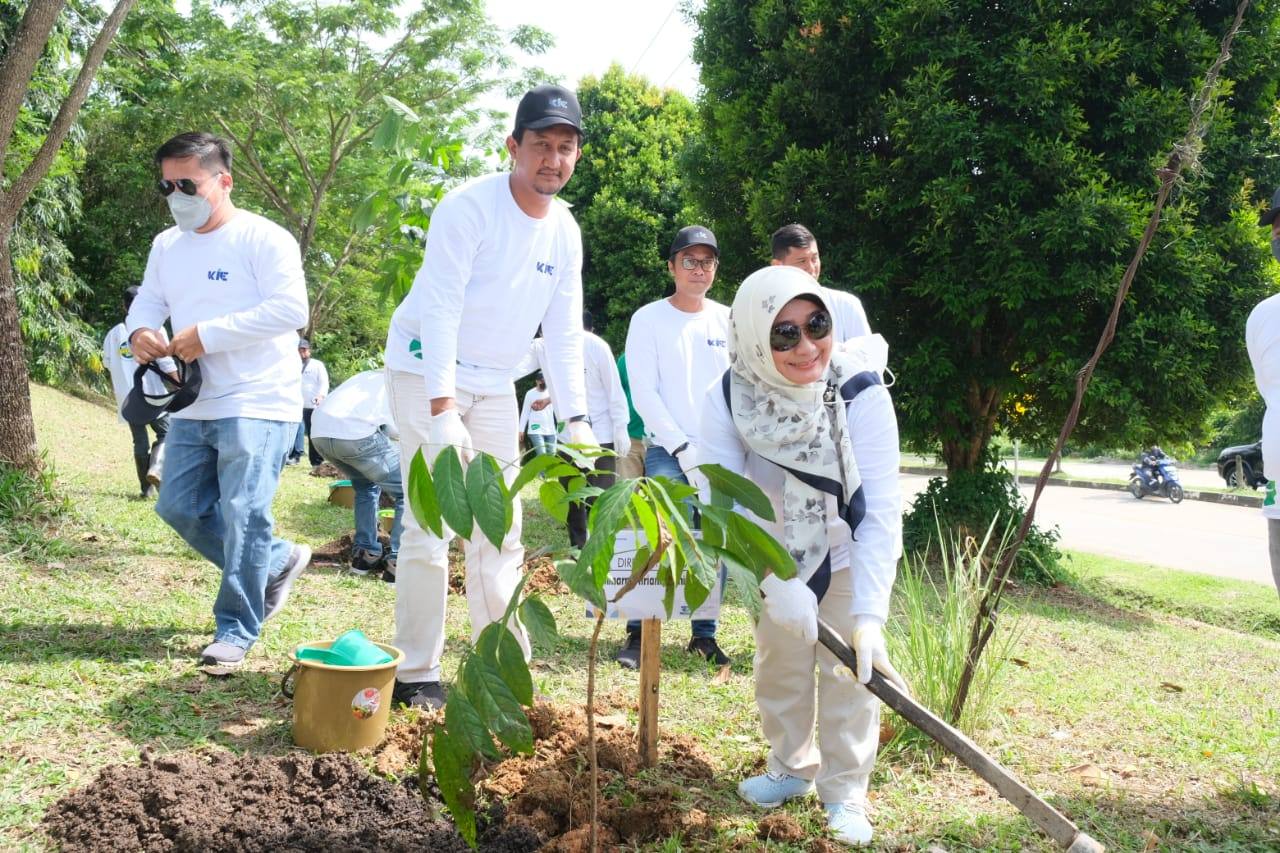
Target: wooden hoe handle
1051 821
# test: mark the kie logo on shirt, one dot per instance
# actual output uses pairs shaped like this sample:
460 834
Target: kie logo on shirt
218 275
717 342
545 267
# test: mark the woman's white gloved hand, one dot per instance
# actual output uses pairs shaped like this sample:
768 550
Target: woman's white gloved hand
868 644
792 604
448 430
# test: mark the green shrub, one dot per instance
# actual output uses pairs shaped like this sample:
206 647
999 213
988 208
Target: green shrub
967 504
935 603
30 506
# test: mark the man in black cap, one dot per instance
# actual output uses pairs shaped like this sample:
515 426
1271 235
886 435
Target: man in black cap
1262 336
503 256
148 457
676 348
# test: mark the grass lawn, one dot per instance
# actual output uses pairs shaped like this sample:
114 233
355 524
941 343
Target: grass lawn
1151 731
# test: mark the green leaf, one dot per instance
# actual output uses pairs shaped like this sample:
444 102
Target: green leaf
502 650
610 509
422 495
581 581
487 498
451 489
538 621
552 465
742 580
594 557
639 560
739 489
463 721
751 545
554 500
645 515
401 108
363 217
452 761
387 135
486 689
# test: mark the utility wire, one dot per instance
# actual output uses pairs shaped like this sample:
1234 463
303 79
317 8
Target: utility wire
658 32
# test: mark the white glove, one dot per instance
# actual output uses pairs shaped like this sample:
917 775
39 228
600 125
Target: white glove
792 604
688 461
580 433
868 645
621 442
447 430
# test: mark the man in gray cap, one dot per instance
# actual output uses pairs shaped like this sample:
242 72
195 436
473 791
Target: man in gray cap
315 387
1262 336
676 348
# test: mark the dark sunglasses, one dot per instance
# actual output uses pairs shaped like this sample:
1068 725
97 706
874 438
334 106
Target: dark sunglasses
186 185
786 336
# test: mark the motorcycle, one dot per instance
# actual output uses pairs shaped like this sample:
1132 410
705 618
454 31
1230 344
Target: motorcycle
1156 476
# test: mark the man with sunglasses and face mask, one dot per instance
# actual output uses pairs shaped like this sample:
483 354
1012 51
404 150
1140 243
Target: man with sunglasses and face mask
232 283
503 256
676 347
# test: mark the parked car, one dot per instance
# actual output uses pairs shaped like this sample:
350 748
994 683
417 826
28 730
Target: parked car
1250 457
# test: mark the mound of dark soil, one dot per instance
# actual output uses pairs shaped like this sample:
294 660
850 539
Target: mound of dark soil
223 802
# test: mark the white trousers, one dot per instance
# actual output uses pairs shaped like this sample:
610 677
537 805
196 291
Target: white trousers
422 567
847 715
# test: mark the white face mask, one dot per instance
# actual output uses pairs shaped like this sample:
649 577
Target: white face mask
189 211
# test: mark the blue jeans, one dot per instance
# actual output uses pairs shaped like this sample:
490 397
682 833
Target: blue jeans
219 479
373 465
543 445
659 463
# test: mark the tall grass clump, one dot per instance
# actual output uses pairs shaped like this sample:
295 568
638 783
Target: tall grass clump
935 603
30 508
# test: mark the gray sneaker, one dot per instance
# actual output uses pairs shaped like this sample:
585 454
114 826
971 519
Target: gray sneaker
278 587
222 655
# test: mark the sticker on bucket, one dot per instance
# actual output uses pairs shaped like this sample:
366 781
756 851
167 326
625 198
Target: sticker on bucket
366 702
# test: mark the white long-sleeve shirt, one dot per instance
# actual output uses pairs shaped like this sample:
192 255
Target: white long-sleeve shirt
606 401
537 421
672 358
490 275
871 552
1262 338
849 319
118 357
243 289
357 408
315 382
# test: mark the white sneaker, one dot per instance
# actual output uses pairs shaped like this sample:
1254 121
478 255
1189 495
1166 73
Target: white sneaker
770 790
849 823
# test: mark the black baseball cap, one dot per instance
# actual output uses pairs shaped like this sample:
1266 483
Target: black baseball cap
548 105
156 393
693 235
1272 212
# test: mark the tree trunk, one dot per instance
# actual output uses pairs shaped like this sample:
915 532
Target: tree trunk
972 432
18 435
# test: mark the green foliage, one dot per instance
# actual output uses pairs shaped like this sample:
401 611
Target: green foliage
979 175
965 503
928 637
494 682
30 509
628 195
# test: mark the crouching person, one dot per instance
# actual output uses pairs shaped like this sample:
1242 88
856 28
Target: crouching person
814 427
353 429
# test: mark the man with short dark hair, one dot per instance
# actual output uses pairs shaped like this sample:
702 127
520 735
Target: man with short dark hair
503 256
232 283
676 348
795 246
315 385
148 458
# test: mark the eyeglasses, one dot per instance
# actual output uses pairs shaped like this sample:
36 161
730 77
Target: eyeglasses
786 336
707 264
186 185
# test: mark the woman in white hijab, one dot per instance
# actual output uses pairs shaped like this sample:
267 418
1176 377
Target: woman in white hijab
811 423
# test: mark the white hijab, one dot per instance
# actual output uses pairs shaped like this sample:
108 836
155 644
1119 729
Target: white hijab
804 429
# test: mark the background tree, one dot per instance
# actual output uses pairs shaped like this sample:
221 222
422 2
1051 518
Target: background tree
628 194
23 168
299 89
979 175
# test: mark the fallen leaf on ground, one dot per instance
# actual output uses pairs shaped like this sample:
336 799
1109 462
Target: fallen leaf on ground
722 677
1088 774
1170 687
1129 770
611 721
1152 841
1020 662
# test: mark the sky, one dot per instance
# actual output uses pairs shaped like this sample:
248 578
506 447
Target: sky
647 37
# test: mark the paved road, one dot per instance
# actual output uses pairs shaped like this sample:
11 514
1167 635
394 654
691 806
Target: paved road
1194 536
1192 478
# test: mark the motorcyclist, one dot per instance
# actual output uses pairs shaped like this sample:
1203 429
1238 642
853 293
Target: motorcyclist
1151 462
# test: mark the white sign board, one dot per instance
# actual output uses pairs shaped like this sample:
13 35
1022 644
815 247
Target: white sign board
645 601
